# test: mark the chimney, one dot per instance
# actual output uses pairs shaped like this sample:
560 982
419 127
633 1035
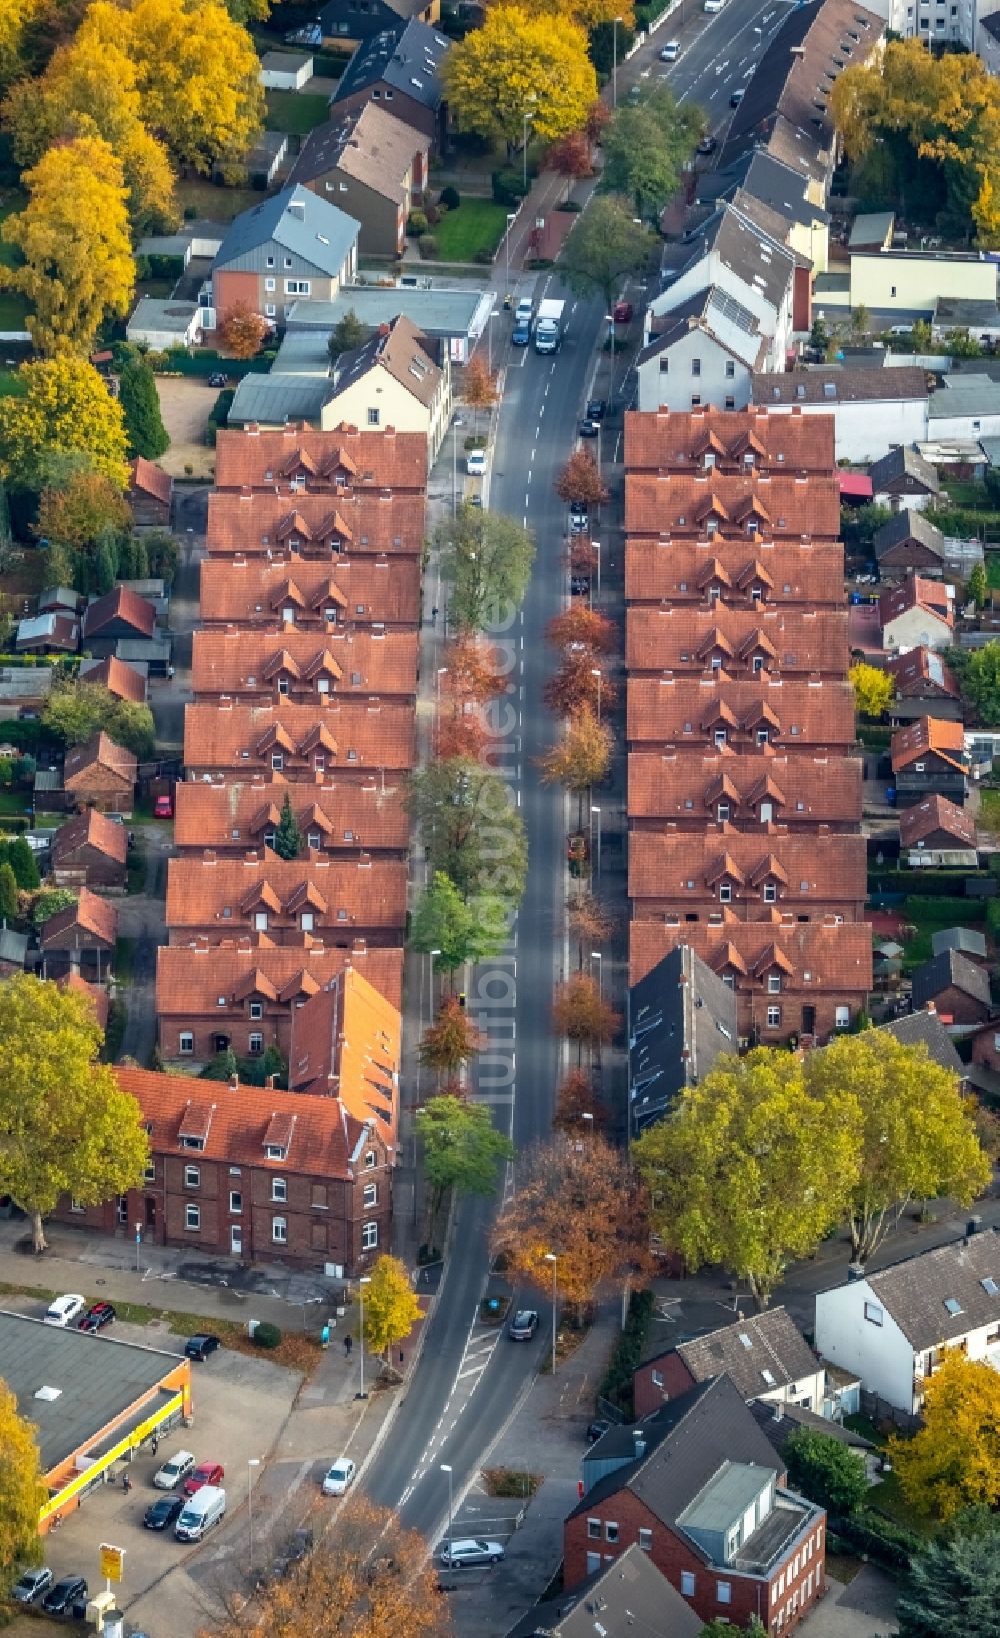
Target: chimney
297 207
779 1410
931 1008
972 1227
234 1083
855 1271
639 1442
271 1082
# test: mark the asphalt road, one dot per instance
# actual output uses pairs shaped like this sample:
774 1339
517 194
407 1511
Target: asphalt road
718 53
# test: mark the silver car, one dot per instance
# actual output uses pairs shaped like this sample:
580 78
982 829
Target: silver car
464 1554
32 1584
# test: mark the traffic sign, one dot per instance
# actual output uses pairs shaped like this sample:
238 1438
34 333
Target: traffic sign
112 1561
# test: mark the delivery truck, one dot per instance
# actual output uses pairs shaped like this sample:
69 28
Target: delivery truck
549 326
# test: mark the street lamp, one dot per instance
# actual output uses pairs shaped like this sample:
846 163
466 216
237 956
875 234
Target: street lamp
597 548
524 137
489 339
138 1243
595 955
550 1257
365 1279
430 993
442 671
446 1469
597 856
511 219
252 1462
595 671
614 70
609 319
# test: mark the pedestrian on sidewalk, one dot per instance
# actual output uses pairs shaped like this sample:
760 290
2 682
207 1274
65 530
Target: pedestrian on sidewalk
348 1345
126 1483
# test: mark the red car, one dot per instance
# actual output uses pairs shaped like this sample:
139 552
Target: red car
204 1473
164 808
623 312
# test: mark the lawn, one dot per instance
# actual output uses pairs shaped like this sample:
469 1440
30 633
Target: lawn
887 1497
929 915
989 809
993 570
297 112
477 224
217 203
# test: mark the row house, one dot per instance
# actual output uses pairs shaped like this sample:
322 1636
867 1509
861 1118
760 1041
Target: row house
686 879
351 523
301 666
736 642
781 574
681 790
243 996
311 595
340 819
313 900
718 713
929 758
745 504
349 738
682 440
806 980
302 460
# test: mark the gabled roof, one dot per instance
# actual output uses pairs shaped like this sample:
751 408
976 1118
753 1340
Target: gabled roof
916 592
718 316
782 189
403 352
368 144
947 971
801 150
968 940
352 524
98 752
792 641
149 479
906 526
676 440
933 814
628 1598
758 1354
303 224
191 978
235 661
684 505
790 571
929 734
677 865
755 256
921 671
92 915
382 459
681 1017
122 680
237 813
902 462
680 784
924 1028
683 710
91 829
833 384
222 892
779 1421
252 591
120 604
915 1293
354 734
407 57
817 957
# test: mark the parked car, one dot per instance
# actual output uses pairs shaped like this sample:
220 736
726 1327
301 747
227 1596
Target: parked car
31 1585
459 1554
69 1589
595 409
174 1469
521 334
578 518
339 1477
98 1315
160 1515
163 808
204 1473
199 1347
589 429
708 144
622 312
475 463
524 311
580 585
737 96
597 1430
218 379
523 1326
670 52
64 1310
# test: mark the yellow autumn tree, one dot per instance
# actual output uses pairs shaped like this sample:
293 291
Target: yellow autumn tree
62 406
954 1460
73 237
520 64
14 17
588 13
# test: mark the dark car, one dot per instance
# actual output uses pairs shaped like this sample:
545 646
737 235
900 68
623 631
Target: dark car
218 379
521 334
596 1430
31 1585
580 585
98 1315
622 312
161 1514
737 96
71 1589
200 1346
523 1326
589 429
707 145
595 409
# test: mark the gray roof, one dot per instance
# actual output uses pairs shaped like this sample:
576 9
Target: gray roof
967 314
303 352
908 525
950 970
767 1342
407 57
782 188
833 383
315 231
274 399
798 148
779 1421
714 311
753 255
98 1379
991 24
973 395
629 1598
285 62
13 946
25 682
681 1017
914 1293
925 1028
902 462
152 314
991 446
871 228
436 312
966 939
726 1497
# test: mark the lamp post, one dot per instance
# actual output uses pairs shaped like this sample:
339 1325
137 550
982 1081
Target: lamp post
595 671
489 340
524 138
609 319
442 671
597 548
597 856
445 1468
365 1279
430 994
138 1243
511 219
614 59
252 1462
595 955
550 1257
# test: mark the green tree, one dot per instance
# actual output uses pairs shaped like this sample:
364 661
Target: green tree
49 902
748 1169
981 681
604 246
646 147
391 1308
459 931
77 711
288 836
860 524
61 407
917 1134
486 559
826 1470
978 588
470 829
347 334
22 1493
873 689
105 566
140 401
66 1127
463 1151
952 1587
8 893
22 862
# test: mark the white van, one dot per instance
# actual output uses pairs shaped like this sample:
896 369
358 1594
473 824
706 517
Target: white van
205 1508
713 5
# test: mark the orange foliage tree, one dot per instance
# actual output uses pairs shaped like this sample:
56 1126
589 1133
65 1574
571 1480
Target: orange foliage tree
580 480
451 1041
575 688
578 626
599 117
582 757
589 922
243 330
576 1097
465 737
582 555
580 1012
570 158
479 388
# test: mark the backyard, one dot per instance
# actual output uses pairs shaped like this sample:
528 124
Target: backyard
217 203
476 226
928 916
296 112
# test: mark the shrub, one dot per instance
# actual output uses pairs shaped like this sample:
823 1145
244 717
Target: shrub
428 246
484 257
266 1335
416 224
617 1383
508 187
450 198
433 214
872 1533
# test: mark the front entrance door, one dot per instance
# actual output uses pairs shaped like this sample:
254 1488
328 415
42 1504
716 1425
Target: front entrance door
150 1212
236 1239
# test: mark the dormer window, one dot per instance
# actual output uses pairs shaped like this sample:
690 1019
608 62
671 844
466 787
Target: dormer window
774 983
282 685
275 1151
723 812
725 892
770 893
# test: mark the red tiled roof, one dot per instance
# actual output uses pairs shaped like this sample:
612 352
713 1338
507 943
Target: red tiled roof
234 816
98 752
91 829
151 479
935 813
91 914
675 440
780 505
920 671
360 662
190 978
916 592
353 523
789 641
676 571
96 994
803 868
120 604
118 678
346 1043
945 739
200 891
250 592
386 458
855 485
802 788
838 958
244 737
684 711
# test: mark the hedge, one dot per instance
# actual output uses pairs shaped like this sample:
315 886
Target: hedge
876 1537
178 362
266 1335
932 884
617 1382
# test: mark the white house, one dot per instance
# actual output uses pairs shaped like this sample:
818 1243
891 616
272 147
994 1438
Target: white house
892 1328
285 70
736 256
967 408
163 324
872 409
918 613
705 353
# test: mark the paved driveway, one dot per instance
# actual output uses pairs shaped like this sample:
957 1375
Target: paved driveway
184 404
864 1609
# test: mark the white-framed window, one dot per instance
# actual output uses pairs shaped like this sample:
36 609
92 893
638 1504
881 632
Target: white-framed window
371 1195
270 311
192 1177
369 1236
287 261
314 839
593 1529
873 1314
371 1159
279 1188
774 983
308 921
269 284
770 892
842 1017
260 921
724 1592
687 1583
256 1043
297 287
774 1017
279 1230
256 1009
610 1530
646 1540
373 417
235 1201
725 892
186 1041
192 1216
149 1175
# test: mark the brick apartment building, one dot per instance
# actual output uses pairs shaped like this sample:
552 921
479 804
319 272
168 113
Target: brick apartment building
312 595
736 642
340 818
375 523
732 505
317 899
716 713
682 441
678 877
301 460
783 574
350 739
699 1487
679 790
301 666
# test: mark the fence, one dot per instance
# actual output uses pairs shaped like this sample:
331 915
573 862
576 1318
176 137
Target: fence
880 1411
